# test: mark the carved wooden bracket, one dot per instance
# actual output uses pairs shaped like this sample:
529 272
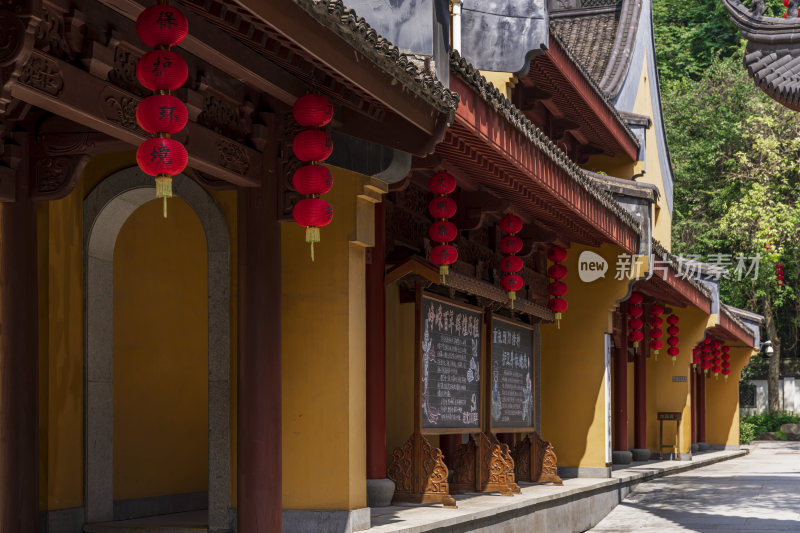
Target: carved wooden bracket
419 473
484 466
536 461
473 208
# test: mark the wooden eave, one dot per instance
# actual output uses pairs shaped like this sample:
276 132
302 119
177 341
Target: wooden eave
573 96
490 151
665 286
728 329
378 94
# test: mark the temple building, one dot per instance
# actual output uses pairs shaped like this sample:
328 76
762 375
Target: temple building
472 308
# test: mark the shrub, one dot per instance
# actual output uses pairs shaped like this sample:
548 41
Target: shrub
752 427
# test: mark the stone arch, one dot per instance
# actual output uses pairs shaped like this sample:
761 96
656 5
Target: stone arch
105 210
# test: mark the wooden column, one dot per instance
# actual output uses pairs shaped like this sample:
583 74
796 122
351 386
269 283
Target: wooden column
19 420
448 445
701 407
640 398
259 361
621 398
376 351
693 400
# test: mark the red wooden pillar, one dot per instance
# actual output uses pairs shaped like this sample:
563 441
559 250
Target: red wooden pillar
19 357
701 407
259 361
376 351
693 400
621 398
640 398
448 445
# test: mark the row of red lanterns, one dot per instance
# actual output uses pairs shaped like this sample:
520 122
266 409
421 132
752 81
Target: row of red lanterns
673 340
162 115
510 225
312 146
779 275
443 232
635 322
656 344
557 288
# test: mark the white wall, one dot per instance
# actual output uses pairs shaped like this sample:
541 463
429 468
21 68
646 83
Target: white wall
789 396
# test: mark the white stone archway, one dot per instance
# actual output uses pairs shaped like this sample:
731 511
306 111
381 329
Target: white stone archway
105 210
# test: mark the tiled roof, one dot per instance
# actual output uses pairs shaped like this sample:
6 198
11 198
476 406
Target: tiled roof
772 56
615 185
516 118
664 255
334 15
601 39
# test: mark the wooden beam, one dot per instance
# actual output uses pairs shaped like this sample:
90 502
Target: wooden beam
67 91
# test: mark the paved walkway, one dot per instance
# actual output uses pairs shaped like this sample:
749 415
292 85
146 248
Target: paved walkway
759 492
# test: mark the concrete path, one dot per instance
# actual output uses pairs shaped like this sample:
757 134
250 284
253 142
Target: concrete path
758 492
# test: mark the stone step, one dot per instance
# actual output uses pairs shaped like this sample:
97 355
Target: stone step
188 522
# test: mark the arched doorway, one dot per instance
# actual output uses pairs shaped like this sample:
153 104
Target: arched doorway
105 211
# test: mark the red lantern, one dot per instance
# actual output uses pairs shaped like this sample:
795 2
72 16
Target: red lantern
442 183
510 244
510 224
443 231
313 213
162 156
635 298
557 305
656 333
726 372
716 345
161 25
312 145
557 288
673 351
656 344
557 254
162 70
673 320
512 282
442 207
707 340
444 255
312 111
726 364
635 336
557 271
673 330
511 264
162 113
673 339
635 311
636 323
312 179
656 310
705 365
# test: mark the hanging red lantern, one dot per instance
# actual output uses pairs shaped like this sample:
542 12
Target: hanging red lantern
312 111
635 298
673 339
511 264
656 321
635 324
707 340
312 145
635 337
162 25
695 356
312 213
162 113
162 70
162 156
312 179
726 372
557 288
443 231
510 244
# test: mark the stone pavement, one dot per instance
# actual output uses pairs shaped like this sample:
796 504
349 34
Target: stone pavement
758 492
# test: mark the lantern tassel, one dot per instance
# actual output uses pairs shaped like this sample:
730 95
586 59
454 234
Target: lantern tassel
726 377
312 236
656 354
673 360
164 189
444 271
512 295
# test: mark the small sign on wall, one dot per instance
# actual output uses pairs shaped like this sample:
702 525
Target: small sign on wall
679 379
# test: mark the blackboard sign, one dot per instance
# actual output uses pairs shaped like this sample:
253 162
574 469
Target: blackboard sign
451 366
512 376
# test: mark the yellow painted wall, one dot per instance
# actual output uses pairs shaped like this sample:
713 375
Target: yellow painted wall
722 401
61 342
665 395
503 81
572 363
400 335
618 167
324 353
160 353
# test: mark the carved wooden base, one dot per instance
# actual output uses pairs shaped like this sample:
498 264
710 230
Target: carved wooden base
419 473
484 466
536 461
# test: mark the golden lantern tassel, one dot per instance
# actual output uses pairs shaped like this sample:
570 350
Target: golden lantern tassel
558 320
512 295
635 344
444 271
312 236
655 352
164 189
673 360
726 377
716 376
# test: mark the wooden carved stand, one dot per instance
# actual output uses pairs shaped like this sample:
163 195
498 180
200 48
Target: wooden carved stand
419 473
535 460
492 462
